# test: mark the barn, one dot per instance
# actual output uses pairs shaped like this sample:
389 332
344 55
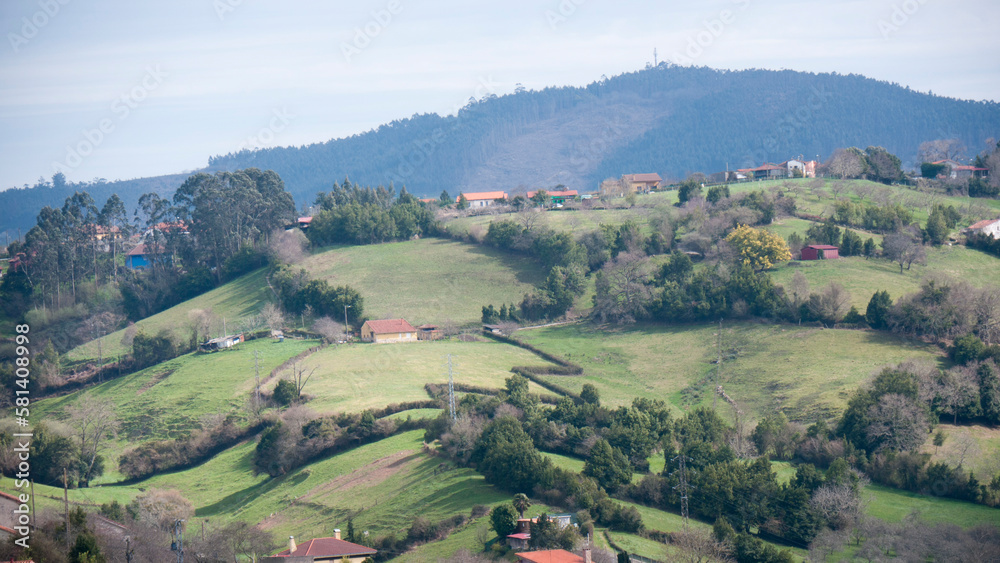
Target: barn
820 252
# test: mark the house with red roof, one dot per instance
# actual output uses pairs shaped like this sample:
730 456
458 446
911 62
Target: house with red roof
142 256
388 331
641 183
765 171
989 227
482 199
557 196
958 170
553 556
332 549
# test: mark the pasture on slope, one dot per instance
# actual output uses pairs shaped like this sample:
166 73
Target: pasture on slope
352 378
424 281
168 400
806 372
863 277
429 280
232 302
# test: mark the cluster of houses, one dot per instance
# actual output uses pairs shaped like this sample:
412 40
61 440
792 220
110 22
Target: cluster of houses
787 169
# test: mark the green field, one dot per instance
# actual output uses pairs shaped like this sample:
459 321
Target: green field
232 303
170 399
354 377
976 447
861 277
383 485
575 218
430 280
765 366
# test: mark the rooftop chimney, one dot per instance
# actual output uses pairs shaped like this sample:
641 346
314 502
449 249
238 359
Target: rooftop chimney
291 544
586 555
336 534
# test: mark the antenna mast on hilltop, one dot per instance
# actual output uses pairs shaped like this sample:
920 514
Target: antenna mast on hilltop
655 63
451 389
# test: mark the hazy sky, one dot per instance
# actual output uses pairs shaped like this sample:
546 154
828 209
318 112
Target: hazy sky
122 89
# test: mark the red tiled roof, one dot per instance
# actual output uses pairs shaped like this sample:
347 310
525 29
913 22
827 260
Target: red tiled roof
478 196
563 193
968 168
327 547
983 224
648 177
550 556
823 247
390 326
305 219
521 536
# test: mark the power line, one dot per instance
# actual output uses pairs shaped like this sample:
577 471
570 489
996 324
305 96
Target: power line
683 486
451 388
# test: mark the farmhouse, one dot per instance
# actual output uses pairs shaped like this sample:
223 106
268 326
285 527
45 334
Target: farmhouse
958 170
332 549
483 199
820 252
387 331
765 171
641 183
553 556
142 256
989 227
221 343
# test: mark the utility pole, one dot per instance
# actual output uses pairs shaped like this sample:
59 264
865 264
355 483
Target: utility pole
347 328
178 544
718 364
451 389
655 63
256 391
684 486
129 550
66 505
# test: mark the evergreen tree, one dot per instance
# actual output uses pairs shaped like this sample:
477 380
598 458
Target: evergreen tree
877 313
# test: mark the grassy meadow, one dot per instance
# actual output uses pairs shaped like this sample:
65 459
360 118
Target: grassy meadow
429 280
355 377
765 367
232 302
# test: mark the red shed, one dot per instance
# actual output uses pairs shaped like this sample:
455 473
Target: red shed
820 252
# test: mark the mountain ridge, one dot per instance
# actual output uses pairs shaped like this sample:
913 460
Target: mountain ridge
668 119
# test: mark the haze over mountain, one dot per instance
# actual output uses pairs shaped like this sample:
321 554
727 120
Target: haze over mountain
668 119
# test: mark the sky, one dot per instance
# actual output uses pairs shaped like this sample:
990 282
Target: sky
120 89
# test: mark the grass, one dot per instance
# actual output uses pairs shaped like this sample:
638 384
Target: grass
975 448
362 376
893 505
429 280
766 367
168 400
232 302
861 277
383 486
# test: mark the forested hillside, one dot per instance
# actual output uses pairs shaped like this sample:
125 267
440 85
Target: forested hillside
668 119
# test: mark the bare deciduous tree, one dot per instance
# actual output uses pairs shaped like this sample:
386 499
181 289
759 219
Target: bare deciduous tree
697 546
940 149
94 421
622 294
288 247
160 508
272 316
329 329
897 423
846 164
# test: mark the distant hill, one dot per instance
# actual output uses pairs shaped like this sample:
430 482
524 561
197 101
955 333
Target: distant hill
668 119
